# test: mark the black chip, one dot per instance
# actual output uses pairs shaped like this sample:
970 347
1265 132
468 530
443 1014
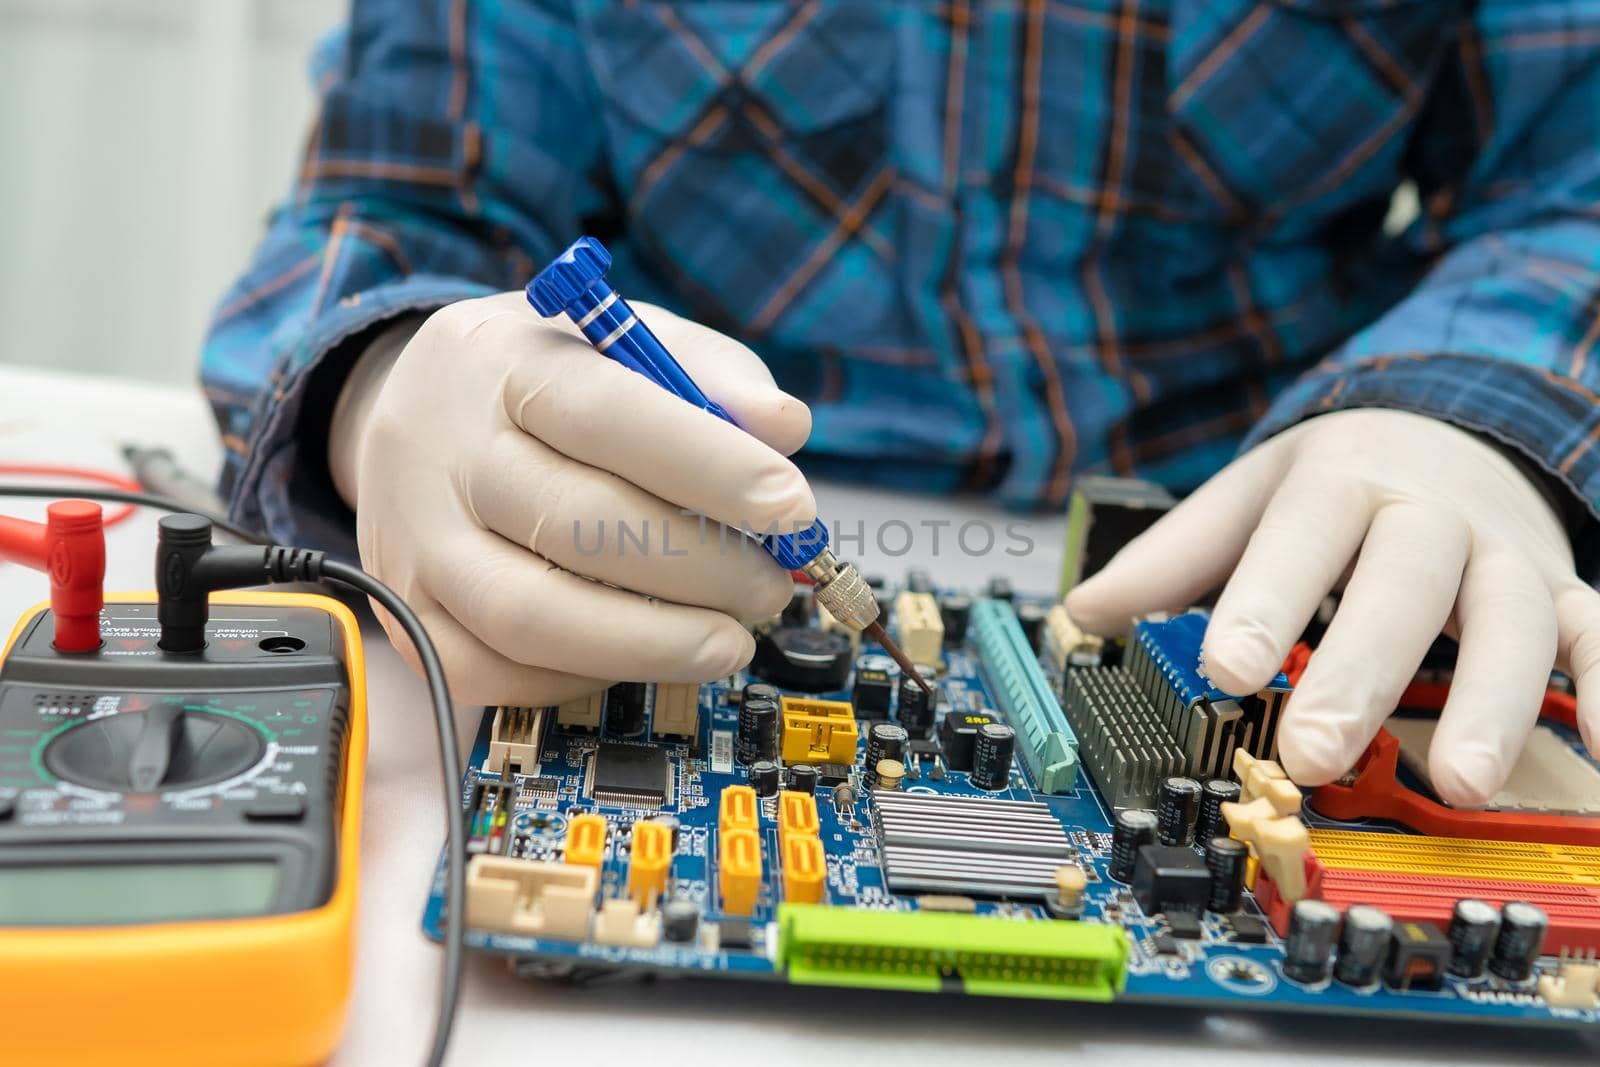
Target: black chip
1184 925
630 776
921 747
736 933
1164 945
1248 930
833 773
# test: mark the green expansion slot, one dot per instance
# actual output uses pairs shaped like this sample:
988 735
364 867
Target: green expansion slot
929 951
1048 745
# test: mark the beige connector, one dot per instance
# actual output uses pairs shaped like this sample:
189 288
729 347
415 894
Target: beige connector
584 712
1253 773
921 627
1063 638
514 739
1576 984
677 709
826 621
1280 842
530 897
619 922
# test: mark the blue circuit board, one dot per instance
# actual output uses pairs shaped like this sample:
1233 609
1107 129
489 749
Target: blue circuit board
1215 969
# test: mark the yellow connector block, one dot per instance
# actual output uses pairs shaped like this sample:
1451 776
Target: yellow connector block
739 870
921 627
797 815
805 869
586 840
818 731
737 810
650 863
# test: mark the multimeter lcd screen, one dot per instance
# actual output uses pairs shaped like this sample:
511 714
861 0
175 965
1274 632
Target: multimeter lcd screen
110 894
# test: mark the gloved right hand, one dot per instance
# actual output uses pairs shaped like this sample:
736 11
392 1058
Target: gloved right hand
504 475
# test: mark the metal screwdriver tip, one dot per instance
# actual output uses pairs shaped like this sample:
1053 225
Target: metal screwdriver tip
876 631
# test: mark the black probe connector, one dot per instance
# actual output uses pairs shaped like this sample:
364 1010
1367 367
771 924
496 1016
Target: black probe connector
189 568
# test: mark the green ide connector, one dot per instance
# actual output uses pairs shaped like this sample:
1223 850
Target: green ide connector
1047 744
929 951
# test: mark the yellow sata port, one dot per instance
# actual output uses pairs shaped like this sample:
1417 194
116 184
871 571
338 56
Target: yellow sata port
651 862
818 731
586 840
805 869
797 814
739 870
736 809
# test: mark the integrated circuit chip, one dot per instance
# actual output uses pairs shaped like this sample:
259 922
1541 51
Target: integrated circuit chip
632 776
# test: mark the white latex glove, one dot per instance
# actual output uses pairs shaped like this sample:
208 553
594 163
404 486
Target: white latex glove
481 465
1445 534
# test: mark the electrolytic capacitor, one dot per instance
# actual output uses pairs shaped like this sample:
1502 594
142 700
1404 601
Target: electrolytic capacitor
1213 794
757 738
885 740
1522 930
1363 944
764 777
1473 927
991 758
1313 926
1226 859
1177 805
680 920
955 611
915 710
1132 830
1030 616
803 778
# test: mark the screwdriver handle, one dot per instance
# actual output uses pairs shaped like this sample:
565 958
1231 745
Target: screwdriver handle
574 283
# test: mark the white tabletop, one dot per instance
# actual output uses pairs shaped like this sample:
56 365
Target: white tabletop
505 1020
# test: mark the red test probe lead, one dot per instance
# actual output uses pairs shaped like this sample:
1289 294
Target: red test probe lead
70 546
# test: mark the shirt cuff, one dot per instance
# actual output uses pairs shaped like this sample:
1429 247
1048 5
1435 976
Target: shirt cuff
1551 422
284 487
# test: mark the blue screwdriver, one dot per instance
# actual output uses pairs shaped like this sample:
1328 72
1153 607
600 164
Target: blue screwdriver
574 283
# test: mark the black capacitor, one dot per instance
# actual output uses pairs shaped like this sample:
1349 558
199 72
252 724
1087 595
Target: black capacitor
915 710
1363 945
1030 616
872 692
760 691
885 740
958 736
764 776
680 920
757 738
1474 924
1133 829
802 778
1177 806
919 580
798 611
1313 926
1522 930
991 756
1226 859
955 611
1000 588
798 657
1213 794
625 709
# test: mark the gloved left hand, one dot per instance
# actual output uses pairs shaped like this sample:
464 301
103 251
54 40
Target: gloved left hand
1434 530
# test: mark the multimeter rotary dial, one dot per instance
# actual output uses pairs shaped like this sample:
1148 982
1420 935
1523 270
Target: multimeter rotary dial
160 748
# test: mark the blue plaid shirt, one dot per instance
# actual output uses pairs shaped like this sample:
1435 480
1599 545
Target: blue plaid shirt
991 242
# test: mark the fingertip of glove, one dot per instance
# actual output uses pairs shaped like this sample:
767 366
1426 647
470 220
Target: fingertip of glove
1312 751
1466 777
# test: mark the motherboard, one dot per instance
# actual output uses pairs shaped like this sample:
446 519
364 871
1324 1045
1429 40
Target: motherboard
1065 817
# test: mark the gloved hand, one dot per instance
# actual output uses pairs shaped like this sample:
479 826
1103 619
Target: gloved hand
1451 537
503 474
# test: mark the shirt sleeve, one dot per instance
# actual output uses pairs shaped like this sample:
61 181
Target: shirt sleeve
405 201
1502 334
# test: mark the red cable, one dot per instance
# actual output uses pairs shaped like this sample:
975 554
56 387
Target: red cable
83 474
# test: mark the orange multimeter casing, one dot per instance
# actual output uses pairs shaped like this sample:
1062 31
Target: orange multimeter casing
208 918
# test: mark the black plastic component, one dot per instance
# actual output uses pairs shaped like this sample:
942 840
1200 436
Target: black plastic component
1474 924
757 737
276 809
1165 944
629 775
1185 925
162 748
885 740
991 756
799 610
680 920
625 709
915 709
955 611
736 933
1522 930
1226 860
1177 807
1313 927
1132 830
1247 929
874 581
765 777
802 778
1000 589
1363 945
874 691
1107 513
958 736
1213 794
1419 955
1167 878
809 660
1030 616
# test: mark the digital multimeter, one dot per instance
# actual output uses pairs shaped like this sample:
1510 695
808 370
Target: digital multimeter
179 836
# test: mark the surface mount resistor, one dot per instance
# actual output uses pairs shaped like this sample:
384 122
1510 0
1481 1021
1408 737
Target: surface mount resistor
586 840
739 870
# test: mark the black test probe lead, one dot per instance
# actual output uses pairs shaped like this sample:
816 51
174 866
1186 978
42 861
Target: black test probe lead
189 568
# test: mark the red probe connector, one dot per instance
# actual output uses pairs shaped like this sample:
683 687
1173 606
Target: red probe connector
70 546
